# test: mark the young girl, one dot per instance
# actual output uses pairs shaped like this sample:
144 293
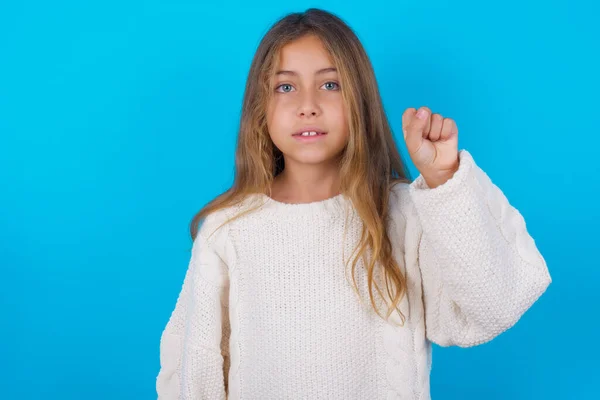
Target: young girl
324 272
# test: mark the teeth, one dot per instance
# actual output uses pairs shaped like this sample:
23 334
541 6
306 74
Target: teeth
308 133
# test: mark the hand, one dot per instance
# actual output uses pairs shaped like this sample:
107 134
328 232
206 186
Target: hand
432 143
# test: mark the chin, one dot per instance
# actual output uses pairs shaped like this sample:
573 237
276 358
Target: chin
314 159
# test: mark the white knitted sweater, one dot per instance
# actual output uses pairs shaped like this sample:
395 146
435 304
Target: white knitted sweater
268 311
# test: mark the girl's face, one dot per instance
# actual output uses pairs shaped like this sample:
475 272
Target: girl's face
307 98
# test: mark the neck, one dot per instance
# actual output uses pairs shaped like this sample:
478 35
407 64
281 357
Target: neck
305 183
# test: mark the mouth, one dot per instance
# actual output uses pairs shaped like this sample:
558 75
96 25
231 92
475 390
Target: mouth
309 136
309 133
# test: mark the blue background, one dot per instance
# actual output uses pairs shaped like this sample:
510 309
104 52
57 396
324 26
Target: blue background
118 123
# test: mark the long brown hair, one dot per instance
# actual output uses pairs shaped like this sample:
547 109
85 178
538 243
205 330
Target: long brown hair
370 163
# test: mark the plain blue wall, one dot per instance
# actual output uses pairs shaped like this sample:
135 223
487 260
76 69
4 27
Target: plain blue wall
118 122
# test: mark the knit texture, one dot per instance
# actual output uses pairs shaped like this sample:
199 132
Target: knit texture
267 308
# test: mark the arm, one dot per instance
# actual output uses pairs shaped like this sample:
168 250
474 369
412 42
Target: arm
190 347
481 270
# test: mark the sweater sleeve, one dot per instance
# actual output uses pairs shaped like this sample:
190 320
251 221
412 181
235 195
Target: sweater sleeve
191 359
480 268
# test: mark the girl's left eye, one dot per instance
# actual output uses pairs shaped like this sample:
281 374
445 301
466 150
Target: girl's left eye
331 85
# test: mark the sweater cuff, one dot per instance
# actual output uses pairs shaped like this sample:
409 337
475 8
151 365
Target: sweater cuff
465 167
458 201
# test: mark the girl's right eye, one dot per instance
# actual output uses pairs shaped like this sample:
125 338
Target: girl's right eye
285 88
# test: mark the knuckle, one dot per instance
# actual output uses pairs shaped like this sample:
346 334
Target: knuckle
409 111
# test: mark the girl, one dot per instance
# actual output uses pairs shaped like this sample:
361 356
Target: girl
322 215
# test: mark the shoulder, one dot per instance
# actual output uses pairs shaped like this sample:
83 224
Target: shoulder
216 229
218 222
212 224
213 233
211 255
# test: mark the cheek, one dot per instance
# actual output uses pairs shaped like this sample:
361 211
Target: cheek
277 115
277 123
272 118
338 115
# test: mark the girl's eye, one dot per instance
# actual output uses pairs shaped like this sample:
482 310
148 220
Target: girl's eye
331 86
284 88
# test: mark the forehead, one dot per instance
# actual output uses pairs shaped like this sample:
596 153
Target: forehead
304 54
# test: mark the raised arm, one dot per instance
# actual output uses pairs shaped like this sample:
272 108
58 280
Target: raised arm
481 270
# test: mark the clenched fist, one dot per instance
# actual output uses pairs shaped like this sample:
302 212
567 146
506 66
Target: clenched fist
432 143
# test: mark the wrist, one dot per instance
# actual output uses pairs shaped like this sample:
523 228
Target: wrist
436 179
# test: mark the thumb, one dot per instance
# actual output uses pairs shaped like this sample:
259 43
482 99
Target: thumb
416 125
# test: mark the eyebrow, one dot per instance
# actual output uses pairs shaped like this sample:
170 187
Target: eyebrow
294 73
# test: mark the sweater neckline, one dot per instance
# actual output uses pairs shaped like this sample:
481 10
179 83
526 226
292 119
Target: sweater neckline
330 205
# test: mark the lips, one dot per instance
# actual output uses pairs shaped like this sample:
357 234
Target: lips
311 132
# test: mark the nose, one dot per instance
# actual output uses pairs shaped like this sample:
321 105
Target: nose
308 105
